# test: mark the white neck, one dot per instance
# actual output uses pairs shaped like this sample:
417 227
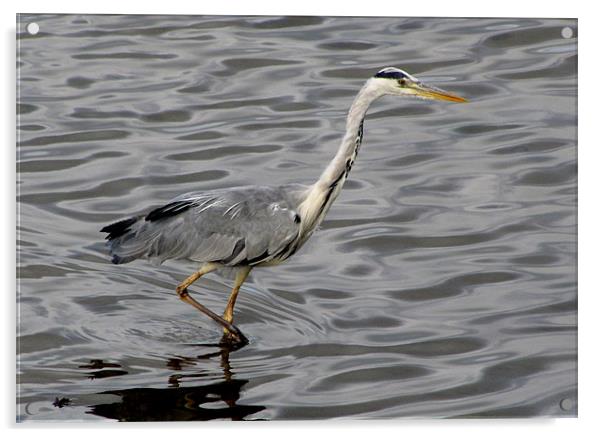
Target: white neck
323 193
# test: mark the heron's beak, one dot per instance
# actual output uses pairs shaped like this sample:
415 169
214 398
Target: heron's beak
430 92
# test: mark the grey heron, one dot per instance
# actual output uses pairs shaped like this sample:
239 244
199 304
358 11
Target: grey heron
253 226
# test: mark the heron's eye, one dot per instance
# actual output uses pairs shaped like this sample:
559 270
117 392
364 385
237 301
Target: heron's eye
402 82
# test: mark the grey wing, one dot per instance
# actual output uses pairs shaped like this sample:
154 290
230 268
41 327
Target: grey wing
247 225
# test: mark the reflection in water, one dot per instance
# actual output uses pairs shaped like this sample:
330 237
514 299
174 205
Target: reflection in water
101 371
180 403
184 403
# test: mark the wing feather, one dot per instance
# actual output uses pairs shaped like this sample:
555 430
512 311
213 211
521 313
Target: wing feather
246 225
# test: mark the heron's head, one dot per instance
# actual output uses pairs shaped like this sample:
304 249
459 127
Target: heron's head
397 82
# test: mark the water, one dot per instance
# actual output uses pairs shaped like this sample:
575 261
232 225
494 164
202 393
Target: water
442 283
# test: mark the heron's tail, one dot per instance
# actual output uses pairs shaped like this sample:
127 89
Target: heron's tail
123 244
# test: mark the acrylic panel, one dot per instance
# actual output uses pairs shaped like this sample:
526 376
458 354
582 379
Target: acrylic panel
440 284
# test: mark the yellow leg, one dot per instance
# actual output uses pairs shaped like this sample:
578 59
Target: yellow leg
241 275
233 331
205 268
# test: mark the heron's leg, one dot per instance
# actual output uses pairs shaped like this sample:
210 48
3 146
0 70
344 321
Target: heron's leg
241 275
182 291
205 268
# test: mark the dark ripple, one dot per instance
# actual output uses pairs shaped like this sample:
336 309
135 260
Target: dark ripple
546 176
219 152
124 55
39 271
110 303
299 124
236 65
411 24
78 137
328 294
53 338
564 68
389 244
201 136
31 127
552 308
103 45
536 260
25 108
407 215
422 349
238 103
168 116
453 287
49 165
485 128
408 161
369 376
88 113
535 146
286 22
195 89
369 322
79 82
523 37
537 330
347 45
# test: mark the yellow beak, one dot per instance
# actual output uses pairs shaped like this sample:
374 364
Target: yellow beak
435 93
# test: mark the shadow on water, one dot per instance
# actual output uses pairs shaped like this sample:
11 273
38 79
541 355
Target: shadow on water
180 402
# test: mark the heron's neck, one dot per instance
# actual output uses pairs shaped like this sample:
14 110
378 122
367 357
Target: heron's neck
327 188
337 171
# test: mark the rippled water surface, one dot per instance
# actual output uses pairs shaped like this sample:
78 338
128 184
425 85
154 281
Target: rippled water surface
442 283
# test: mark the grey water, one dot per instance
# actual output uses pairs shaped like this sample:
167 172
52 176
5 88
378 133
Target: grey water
442 283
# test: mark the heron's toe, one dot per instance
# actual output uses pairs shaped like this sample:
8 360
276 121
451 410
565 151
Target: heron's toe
234 338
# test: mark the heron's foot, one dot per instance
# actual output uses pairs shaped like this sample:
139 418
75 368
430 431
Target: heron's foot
232 334
233 338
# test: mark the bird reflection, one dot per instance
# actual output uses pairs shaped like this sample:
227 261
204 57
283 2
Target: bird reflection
181 402
102 369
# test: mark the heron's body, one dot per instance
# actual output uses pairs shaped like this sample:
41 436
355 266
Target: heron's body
242 226
246 227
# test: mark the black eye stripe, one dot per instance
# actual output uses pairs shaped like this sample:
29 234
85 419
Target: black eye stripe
391 74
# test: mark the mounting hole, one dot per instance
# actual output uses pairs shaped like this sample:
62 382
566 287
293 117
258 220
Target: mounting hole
33 28
566 32
566 404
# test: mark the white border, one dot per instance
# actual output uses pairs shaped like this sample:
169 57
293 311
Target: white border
462 8
590 78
